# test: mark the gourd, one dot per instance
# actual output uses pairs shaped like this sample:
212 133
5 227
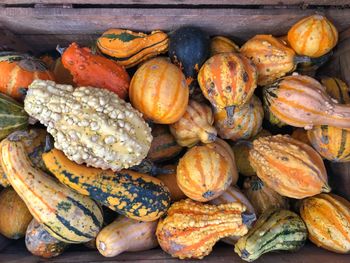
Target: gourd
291 168
337 89
301 101
221 44
195 125
135 195
14 214
18 71
245 122
191 229
90 125
65 214
158 89
241 150
40 243
263 197
301 135
62 75
93 70
270 117
327 217
130 48
313 36
275 230
125 234
261 133
169 179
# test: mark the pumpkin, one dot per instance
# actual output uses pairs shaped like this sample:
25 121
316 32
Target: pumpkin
289 167
313 36
191 229
40 243
130 48
275 230
241 150
164 146
169 179
125 234
159 90
195 125
301 101
17 71
327 217
221 44
263 197
245 122
14 214
93 70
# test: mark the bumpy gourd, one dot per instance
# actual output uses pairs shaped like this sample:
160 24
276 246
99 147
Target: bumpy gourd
241 150
327 217
221 44
191 229
275 230
90 125
289 167
195 125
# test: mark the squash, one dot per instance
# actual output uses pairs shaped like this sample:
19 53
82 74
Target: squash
301 101
164 146
135 195
130 48
65 214
158 89
195 125
313 36
289 167
93 70
327 217
169 179
191 229
301 135
90 125
18 71
241 151
40 243
221 44
245 122
125 234
311 67
270 117
14 214
337 89
263 197
275 230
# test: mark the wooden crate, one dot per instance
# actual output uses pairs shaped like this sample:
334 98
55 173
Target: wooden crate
39 25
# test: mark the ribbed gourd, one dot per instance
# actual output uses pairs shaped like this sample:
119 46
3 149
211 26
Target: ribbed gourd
191 229
90 125
327 217
275 230
291 168
221 44
196 125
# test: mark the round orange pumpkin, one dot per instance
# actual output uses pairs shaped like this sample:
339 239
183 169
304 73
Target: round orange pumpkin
159 90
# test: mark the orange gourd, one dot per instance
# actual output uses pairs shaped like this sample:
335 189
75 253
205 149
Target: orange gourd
221 44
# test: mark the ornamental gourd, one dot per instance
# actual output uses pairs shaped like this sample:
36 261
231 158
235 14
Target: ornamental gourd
289 167
169 179
158 89
275 230
313 36
130 48
301 101
107 132
221 44
191 229
300 134
241 150
327 217
195 125
93 70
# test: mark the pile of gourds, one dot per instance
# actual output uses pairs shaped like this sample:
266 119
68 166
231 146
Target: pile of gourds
177 149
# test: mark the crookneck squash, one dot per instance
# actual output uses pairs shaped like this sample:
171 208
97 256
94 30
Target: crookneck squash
221 44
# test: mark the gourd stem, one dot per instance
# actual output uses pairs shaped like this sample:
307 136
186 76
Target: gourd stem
60 49
302 59
229 113
248 219
49 143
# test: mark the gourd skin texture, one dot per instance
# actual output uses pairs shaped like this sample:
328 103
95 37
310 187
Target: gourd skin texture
221 44
135 195
327 217
65 214
289 167
130 48
191 229
275 230
90 125
125 234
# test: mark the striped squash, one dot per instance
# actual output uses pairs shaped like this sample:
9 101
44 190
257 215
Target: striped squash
159 91
327 217
130 48
221 44
337 89
125 234
65 214
245 122
313 36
